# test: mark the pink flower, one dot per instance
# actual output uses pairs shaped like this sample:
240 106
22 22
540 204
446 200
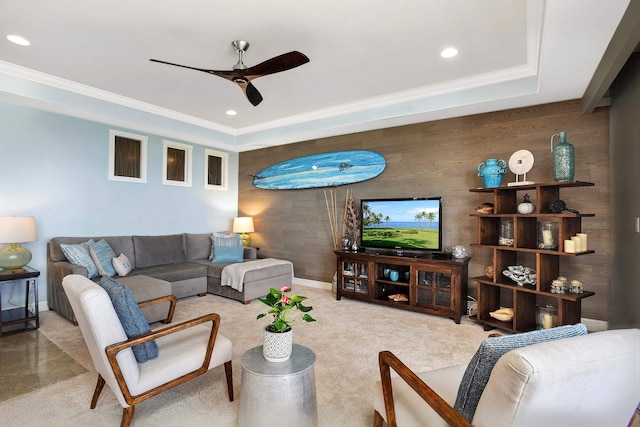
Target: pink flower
282 307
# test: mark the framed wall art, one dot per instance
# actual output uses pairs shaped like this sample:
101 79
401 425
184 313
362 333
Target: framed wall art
216 170
176 164
127 157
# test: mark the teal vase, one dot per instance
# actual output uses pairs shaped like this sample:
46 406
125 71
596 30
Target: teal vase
492 171
564 161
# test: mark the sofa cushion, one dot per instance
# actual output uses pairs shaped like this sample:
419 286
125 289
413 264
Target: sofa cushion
146 288
119 244
173 272
122 245
122 265
55 252
158 250
79 254
102 256
227 248
250 253
197 246
213 270
131 317
479 369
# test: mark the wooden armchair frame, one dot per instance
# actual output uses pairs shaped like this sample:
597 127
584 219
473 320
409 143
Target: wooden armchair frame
388 361
168 298
114 349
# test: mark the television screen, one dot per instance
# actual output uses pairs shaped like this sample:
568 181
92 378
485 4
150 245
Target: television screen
411 224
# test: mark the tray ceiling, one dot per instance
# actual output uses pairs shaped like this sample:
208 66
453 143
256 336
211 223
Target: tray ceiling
372 64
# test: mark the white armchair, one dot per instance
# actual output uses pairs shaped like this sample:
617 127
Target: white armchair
589 380
186 350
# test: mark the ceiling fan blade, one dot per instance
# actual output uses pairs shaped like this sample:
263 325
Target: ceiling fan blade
229 75
252 93
243 76
179 65
283 62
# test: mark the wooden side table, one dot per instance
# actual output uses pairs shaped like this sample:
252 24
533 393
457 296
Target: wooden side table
20 317
278 393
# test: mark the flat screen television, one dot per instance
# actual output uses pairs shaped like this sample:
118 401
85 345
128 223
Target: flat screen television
408 224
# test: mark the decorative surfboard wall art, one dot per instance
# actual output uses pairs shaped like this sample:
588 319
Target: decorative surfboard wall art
321 170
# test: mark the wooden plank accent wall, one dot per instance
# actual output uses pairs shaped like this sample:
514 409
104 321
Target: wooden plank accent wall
440 158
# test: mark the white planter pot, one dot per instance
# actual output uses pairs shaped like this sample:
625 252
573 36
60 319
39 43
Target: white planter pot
277 346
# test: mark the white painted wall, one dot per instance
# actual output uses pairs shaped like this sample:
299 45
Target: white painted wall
54 167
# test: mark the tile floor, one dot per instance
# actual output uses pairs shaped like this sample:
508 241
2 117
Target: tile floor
28 361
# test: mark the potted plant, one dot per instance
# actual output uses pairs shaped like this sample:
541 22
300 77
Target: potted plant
278 335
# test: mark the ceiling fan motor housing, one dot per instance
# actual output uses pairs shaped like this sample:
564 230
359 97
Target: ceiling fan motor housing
241 47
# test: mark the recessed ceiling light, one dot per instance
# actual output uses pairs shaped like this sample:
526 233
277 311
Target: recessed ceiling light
449 52
231 113
18 40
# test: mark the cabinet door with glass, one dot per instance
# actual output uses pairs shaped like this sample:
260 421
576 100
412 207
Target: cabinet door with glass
433 289
353 277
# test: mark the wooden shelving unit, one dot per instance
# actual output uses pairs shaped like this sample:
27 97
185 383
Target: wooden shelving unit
499 291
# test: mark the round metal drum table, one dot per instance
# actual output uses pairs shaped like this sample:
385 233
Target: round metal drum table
278 393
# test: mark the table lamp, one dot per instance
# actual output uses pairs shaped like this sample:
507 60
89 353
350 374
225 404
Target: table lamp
243 225
15 230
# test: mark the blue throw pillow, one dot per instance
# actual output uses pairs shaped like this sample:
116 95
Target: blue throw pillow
102 254
79 255
228 254
227 248
476 376
131 317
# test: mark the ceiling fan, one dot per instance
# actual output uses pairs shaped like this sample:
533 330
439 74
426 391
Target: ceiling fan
242 75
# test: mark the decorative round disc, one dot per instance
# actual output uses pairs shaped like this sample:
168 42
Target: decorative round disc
521 162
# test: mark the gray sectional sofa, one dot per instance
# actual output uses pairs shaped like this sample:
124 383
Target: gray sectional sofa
179 262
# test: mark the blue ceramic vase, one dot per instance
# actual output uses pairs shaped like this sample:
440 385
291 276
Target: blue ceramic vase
492 171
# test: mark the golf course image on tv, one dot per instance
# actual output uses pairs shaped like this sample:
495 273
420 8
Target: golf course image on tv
401 224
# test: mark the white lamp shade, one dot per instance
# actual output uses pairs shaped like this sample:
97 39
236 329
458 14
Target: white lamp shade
243 224
18 229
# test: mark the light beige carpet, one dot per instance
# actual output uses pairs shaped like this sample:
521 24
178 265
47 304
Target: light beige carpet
346 339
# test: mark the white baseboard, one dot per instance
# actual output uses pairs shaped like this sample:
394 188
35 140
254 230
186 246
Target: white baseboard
42 306
312 283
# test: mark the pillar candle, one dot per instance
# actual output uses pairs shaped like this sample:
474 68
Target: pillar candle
547 238
547 321
578 242
570 246
583 238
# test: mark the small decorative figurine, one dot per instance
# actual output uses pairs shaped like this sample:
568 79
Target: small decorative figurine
526 207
